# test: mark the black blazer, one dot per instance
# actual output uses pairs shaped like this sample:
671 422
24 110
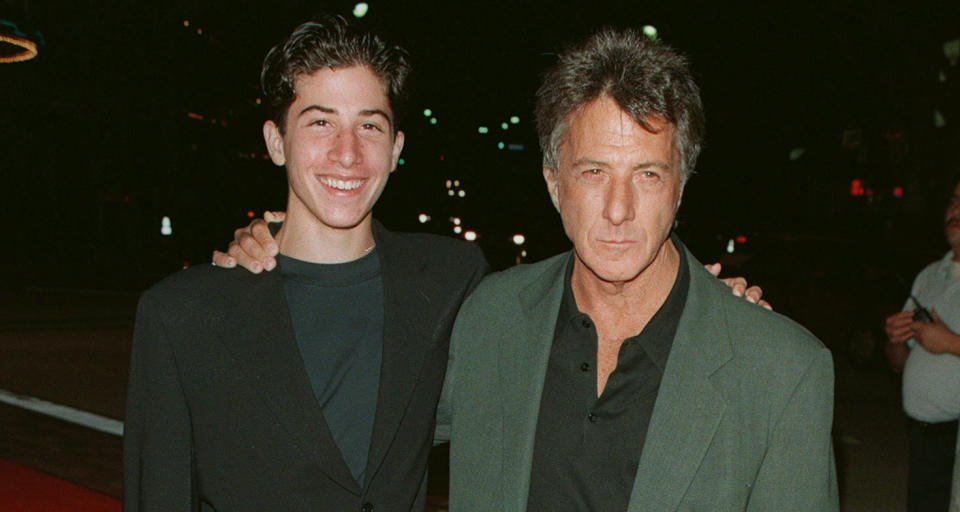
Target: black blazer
220 412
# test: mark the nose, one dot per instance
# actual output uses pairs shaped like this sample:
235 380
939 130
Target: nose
620 202
346 149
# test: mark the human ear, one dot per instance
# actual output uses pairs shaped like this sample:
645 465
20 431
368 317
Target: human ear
274 141
397 148
553 186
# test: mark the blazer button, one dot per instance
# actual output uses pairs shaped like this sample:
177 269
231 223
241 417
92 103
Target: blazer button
367 507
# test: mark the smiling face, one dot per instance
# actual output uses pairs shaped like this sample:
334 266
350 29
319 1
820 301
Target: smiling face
617 190
339 147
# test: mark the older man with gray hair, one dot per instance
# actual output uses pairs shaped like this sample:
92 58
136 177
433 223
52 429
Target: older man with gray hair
621 375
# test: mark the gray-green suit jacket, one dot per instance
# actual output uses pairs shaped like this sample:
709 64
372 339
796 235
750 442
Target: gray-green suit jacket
742 420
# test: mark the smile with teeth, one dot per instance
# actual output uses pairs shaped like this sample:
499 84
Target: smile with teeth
341 184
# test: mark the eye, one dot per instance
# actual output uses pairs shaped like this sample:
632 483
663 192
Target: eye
319 122
371 126
592 173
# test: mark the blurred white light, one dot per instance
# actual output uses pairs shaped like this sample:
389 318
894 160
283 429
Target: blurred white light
423 218
938 120
360 10
456 183
483 129
951 50
731 245
504 126
427 112
470 235
455 220
519 239
796 153
650 31
450 192
166 229
523 253
449 183
462 193
457 229
514 119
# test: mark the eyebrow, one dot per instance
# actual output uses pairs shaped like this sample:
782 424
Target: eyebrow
365 112
641 165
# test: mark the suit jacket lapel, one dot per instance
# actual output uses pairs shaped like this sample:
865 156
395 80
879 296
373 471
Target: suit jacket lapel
266 351
408 334
524 355
689 407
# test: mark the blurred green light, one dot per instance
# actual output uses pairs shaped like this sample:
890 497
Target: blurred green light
650 31
504 126
514 119
360 10
427 112
401 161
501 145
433 120
483 129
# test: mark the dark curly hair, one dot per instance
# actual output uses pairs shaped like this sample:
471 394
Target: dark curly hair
330 42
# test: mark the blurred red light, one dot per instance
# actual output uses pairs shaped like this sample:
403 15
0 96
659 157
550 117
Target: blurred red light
250 214
898 192
741 239
856 188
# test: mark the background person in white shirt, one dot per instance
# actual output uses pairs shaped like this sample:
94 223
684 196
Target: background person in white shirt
929 353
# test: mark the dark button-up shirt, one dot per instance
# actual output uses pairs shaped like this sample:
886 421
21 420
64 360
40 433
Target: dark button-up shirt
587 448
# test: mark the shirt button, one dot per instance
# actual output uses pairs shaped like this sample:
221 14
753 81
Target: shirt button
367 507
585 367
592 417
586 323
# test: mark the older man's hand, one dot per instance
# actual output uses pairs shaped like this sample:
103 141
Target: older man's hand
253 247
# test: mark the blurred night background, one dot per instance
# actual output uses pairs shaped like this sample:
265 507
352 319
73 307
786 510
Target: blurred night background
833 143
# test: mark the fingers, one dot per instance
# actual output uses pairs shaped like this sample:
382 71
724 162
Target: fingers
270 216
221 259
738 285
898 327
260 230
713 268
753 294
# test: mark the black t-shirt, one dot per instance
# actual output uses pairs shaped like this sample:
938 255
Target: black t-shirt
337 314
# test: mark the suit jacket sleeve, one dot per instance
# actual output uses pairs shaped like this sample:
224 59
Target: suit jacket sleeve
444 412
798 471
157 445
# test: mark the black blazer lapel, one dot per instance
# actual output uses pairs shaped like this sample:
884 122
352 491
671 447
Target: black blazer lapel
265 347
408 333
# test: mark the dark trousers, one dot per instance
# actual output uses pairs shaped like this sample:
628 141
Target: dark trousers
932 449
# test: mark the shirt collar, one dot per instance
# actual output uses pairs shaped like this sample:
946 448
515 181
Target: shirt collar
660 330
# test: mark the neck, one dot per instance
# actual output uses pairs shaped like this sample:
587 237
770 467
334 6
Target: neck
644 293
305 238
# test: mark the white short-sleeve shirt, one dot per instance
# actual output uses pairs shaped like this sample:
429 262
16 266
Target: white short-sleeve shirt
931 382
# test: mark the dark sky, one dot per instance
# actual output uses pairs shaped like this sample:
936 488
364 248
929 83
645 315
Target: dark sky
97 143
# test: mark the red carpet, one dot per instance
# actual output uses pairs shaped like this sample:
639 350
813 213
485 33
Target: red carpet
25 490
